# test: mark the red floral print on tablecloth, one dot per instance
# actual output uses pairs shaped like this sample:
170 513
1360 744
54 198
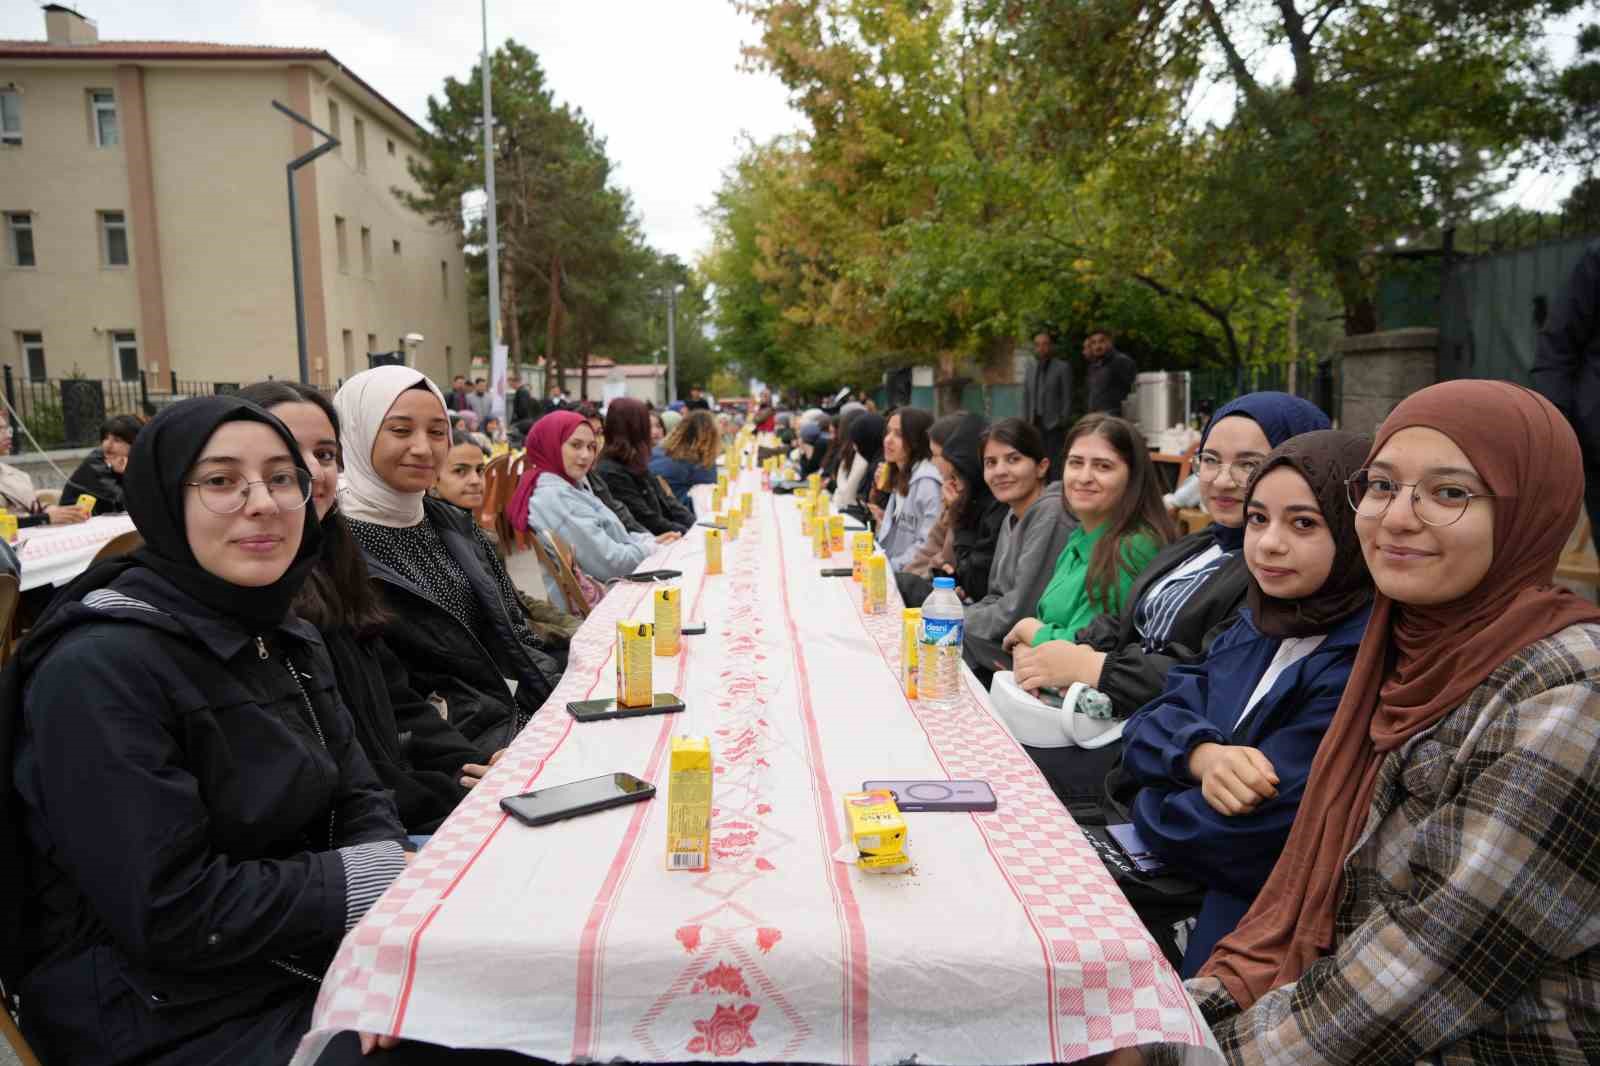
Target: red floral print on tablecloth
726 1032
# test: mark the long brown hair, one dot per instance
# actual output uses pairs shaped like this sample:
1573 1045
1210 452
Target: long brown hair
628 433
695 440
914 426
1140 509
339 591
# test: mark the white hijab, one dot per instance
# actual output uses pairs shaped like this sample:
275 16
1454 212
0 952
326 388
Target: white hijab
362 402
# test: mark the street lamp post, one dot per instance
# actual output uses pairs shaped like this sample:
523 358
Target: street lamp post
329 144
672 343
490 221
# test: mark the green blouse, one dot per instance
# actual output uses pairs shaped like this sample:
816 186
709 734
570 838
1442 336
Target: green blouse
1066 605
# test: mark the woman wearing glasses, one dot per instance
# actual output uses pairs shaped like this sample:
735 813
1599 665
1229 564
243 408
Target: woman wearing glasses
1188 595
196 823
1439 896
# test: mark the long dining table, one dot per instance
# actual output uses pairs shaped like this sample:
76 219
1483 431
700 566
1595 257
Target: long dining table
1005 943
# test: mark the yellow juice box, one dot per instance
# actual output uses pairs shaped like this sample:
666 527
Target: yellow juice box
668 601
819 538
713 551
86 503
722 483
910 644
635 650
689 804
860 552
807 520
876 599
735 520
823 502
500 448
8 525
876 826
747 503
814 483
717 500
836 533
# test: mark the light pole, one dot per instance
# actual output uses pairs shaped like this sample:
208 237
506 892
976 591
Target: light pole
329 144
490 221
672 342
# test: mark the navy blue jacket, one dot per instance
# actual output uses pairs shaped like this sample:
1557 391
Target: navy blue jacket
681 476
1232 856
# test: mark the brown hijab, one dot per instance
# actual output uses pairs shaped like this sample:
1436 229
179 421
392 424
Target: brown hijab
1325 458
1416 664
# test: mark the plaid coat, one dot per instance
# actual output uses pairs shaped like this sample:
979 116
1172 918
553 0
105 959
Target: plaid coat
1469 926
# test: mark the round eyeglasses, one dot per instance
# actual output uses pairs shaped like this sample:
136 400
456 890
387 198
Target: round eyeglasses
228 493
1210 468
1436 500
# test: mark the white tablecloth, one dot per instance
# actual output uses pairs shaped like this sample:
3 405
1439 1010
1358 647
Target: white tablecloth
54 555
1008 943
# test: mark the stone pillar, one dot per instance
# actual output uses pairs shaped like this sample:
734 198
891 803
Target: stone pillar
1378 370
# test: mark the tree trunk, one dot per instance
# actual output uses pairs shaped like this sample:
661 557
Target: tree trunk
510 312
1360 312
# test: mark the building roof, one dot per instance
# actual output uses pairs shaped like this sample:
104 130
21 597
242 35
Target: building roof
186 51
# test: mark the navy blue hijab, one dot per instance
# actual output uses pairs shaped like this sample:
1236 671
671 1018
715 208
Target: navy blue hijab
1280 417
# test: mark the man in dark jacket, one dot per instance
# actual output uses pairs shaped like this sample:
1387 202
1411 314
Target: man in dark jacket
1047 399
457 398
1567 366
697 399
100 473
1111 373
523 407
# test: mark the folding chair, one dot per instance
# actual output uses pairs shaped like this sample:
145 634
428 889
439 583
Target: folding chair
1578 560
498 485
19 1046
10 596
121 544
556 558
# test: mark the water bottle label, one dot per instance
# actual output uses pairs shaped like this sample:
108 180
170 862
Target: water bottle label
944 631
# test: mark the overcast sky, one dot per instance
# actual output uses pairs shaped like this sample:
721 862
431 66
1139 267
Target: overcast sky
660 79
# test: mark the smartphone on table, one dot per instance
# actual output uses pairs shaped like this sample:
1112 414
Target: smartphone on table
652 575
545 805
600 710
927 795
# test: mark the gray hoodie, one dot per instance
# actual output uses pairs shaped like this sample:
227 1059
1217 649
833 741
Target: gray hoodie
908 519
1024 560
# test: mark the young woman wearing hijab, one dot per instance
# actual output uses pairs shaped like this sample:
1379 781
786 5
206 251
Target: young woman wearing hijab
625 468
962 542
554 495
416 753
1214 768
1189 595
1438 899
855 482
454 617
199 825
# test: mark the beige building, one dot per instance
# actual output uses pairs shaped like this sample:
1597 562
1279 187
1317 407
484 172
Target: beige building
144 220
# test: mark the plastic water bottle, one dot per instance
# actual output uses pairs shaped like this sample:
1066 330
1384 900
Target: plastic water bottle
939 658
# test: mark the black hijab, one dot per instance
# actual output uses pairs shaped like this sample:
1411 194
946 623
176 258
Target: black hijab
1326 459
963 450
154 493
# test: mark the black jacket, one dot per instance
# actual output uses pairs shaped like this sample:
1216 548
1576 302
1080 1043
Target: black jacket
1132 677
95 476
642 496
598 486
416 753
524 407
185 788
1566 368
974 548
443 656
1110 381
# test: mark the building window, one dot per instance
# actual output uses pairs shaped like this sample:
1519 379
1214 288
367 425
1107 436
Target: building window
103 105
361 145
396 246
349 340
444 280
10 116
390 143
372 343
449 354
32 355
125 356
340 239
333 124
366 251
114 238
19 238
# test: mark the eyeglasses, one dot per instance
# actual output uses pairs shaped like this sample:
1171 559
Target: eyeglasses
228 493
1241 471
1435 500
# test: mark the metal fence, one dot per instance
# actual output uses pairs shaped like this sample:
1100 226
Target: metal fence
1315 378
68 412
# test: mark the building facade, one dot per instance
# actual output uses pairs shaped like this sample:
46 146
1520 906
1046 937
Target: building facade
144 221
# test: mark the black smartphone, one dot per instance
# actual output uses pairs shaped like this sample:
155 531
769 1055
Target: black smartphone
544 805
600 710
712 525
697 630
1133 846
838 571
653 575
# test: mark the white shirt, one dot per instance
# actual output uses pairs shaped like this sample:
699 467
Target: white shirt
1199 562
1290 651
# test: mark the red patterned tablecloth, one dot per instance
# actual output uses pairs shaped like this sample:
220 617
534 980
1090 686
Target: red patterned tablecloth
54 555
1007 943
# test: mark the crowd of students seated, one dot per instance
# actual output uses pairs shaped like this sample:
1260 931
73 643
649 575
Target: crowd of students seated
1351 721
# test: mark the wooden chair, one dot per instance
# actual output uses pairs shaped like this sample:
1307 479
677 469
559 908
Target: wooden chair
1192 518
556 558
1578 560
121 544
498 485
10 597
19 1046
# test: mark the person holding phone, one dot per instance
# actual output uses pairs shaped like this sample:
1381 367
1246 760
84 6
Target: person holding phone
193 826
1213 770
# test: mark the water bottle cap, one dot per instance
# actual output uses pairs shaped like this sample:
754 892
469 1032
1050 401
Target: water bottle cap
944 582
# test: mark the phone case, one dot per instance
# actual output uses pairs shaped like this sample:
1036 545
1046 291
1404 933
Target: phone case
913 796
664 703
1133 846
648 792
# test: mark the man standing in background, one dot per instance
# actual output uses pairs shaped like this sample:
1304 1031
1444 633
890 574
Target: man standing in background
1111 373
521 404
1566 368
479 401
1047 398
